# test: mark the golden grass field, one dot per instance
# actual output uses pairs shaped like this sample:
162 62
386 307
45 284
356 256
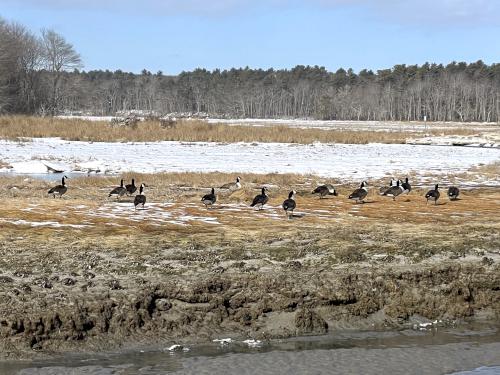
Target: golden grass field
15 127
332 229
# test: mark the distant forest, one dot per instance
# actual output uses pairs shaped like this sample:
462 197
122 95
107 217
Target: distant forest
40 75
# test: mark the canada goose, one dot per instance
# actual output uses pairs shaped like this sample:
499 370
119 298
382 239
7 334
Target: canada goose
325 190
59 189
140 198
131 188
261 199
209 199
433 195
383 189
394 191
289 204
118 191
360 194
232 185
453 193
406 186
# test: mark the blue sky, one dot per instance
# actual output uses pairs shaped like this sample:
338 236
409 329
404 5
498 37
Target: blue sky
177 35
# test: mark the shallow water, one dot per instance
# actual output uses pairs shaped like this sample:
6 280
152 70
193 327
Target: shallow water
483 370
465 351
51 176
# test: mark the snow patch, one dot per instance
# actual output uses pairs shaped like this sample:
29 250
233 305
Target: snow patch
225 341
343 161
383 126
53 224
253 343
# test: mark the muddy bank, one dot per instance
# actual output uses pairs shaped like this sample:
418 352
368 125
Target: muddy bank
83 274
261 305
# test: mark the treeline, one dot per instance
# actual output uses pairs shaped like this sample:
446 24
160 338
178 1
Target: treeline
40 75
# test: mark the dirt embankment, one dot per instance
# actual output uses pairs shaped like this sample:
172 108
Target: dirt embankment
264 305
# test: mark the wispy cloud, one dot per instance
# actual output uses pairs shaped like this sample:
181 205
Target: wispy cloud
169 7
436 13
429 12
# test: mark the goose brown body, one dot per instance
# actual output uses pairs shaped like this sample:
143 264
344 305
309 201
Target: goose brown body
59 189
261 199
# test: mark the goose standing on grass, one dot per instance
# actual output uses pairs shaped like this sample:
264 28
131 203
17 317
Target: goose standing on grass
289 204
131 188
209 199
59 189
140 198
261 199
453 193
360 194
433 195
383 189
325 190
394 191
406 186
118 191
232 185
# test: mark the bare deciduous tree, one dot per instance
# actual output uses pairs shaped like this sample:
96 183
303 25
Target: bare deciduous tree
59 56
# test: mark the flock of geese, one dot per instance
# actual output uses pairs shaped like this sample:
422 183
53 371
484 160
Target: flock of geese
395 189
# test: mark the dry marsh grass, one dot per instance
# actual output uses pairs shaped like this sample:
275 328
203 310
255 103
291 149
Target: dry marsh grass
17 127
484 171
335 228
333 234
186 186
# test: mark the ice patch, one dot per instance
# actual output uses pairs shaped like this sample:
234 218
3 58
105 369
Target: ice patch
223 342
426 325
177 348
342 161
253 343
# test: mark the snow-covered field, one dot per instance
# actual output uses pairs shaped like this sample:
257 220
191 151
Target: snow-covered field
87 118
343 161
416 127
491 139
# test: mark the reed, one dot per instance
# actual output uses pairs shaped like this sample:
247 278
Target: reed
18 127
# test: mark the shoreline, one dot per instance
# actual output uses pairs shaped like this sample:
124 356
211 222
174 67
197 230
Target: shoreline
260 307
465 347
